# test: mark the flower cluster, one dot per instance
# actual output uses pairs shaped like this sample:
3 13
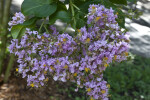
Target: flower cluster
19 18
35 55
81 59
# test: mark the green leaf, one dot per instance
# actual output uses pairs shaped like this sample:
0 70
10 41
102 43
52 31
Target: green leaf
38 8
61 6
64 16
124 2
17 31
80 22
61 13
30 21
121 20
52 20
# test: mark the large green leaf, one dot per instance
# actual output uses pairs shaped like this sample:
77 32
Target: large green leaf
119 1
30 21
52 20
62 15
17 31
38 8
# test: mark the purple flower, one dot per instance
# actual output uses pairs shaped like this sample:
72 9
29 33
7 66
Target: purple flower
42 77
19 18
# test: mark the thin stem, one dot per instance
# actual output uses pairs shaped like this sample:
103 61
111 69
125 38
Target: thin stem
76 7
73 13
41 26
72 9
46 29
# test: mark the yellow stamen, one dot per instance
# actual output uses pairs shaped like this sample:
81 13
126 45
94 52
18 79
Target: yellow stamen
106 65
79 30
108 85
87 69
66 66
93 7
88 40
103 91
46 79
44 65
104 15
126 54
64 40
57 61
97 18
42 37
116 13
17 69
75 74
59 44
32 85
91 98
52 68
105 58
115 57
89 89
45 72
